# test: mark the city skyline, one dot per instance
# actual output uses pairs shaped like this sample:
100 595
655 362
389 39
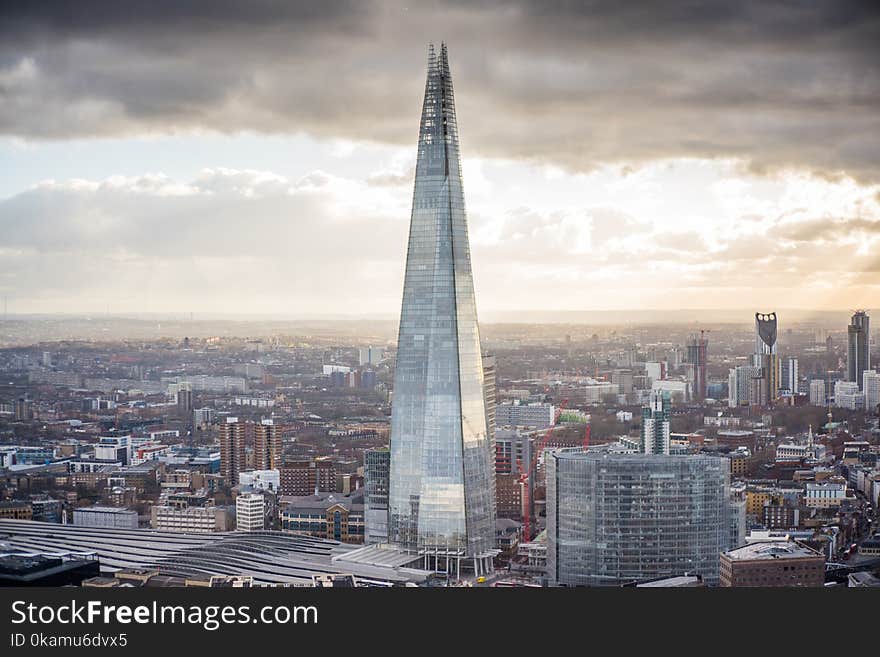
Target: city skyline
615 161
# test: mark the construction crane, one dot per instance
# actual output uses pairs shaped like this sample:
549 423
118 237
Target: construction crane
526 477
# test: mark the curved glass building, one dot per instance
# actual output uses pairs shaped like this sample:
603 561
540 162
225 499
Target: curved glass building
619 518
441 497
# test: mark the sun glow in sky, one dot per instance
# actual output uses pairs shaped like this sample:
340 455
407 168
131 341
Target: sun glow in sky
716 171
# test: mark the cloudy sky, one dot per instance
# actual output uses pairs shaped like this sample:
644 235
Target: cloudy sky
257 157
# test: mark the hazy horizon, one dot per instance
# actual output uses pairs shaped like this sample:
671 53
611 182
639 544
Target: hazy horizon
640 316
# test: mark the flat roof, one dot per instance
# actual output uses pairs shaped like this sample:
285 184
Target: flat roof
771 550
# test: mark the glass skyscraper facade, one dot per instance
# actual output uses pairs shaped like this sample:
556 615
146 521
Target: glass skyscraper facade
442 497
377 466
619 518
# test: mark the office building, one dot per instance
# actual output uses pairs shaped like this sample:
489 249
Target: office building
772 564
442 497
202 417
377 472
114 448
105 516
537 415
824 495
847 395
623 379
250 512
619 518
655 425
817 392
268 447
326 515
268 480
858 347
46 510
195 516
871 391
232 459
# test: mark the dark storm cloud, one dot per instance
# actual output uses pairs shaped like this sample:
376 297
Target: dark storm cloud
574 84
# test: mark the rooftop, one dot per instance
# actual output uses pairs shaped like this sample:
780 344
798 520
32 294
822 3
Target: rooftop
770 550
268 557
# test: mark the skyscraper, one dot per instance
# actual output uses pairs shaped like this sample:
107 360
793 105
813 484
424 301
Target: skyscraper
788 378
697 355
655 424
741 384
766 356
231 449
268 447
858 348
441 499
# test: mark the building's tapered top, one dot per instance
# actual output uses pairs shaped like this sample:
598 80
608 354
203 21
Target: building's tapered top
442 484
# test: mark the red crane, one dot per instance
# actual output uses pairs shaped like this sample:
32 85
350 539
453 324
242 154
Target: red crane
525 477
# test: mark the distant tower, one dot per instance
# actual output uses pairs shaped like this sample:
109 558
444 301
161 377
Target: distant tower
655 425
697 355
789 377
268 448
232 450
184 400
858 348
766 356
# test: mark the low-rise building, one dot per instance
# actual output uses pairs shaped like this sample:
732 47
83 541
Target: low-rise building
772 564
327 515
105 516
824 495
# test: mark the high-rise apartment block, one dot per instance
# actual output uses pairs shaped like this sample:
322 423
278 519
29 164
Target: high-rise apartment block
858 347
268 447
655 425
537 415
232 455
698 355
788 375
